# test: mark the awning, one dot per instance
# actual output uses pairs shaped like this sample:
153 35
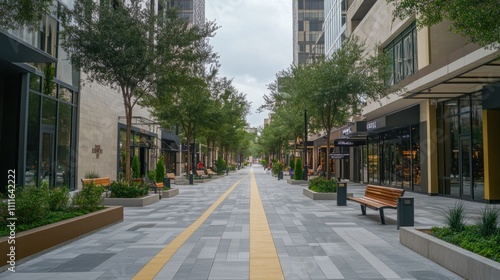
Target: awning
349 142
13 49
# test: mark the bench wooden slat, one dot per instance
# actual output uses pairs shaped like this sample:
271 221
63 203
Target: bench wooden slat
201 174
378 198
102 181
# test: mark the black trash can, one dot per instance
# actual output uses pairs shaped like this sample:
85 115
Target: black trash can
405 212
341 194
166 183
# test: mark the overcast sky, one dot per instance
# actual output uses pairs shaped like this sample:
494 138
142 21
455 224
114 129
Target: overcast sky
254 42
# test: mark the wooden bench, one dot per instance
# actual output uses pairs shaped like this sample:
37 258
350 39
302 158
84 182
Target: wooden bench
171 176
103 182
210 173
378 198
201 174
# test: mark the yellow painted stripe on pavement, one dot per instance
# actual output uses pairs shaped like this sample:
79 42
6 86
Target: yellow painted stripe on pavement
154 266
264 261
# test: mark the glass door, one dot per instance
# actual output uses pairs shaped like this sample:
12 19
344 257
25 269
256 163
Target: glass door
465 178
47 156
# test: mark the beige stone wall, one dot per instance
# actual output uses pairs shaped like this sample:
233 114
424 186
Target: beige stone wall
99 109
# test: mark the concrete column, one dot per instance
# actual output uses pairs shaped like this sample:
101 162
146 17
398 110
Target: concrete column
491 149
429 147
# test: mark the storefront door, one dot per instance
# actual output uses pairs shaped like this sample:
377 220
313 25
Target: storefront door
465 167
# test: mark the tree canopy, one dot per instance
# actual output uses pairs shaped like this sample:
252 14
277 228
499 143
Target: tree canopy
477 20
115 44
17 13
331 88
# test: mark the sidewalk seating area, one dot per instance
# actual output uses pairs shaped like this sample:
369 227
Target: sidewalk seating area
313 239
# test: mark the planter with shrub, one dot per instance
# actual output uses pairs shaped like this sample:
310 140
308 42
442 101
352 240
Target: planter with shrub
471 251
321 188
46 217
135 194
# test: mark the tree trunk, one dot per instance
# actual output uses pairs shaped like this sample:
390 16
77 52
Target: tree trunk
328 154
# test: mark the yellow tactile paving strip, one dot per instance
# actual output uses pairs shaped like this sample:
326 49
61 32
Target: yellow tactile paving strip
153 267
264 261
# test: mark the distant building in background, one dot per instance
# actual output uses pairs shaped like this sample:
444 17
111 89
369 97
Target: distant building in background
335 26
193 10
308 18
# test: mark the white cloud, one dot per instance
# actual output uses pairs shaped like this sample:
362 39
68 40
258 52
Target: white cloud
254 43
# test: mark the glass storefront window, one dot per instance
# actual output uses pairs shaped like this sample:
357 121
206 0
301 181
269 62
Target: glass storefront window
49 111
63 172
31 175
415 156
460 152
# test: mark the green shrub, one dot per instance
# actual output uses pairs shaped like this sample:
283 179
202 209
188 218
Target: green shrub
323 185
59 198
488 222
232 168
455 217
297 172
220 164
469 239
136 167
160 170
152 174
263 162
89 198
292 164
91 175
245 163
32 203
120 189
277 166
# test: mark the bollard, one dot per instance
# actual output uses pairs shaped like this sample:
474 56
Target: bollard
341 194
405 212
191 178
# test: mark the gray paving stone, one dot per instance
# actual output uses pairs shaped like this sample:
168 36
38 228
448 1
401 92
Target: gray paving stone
314 239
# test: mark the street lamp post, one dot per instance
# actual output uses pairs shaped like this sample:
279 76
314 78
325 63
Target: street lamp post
305 145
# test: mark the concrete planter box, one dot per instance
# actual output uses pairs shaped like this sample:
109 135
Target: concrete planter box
321 196
297 182
132 202
462 262
39 239
170 193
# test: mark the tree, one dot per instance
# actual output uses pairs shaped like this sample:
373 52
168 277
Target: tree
477 20
160 170
334 88
114 45
17 13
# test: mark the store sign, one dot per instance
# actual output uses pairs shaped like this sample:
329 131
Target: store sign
375 124
346 131
349 142
371 125
339 156
97 151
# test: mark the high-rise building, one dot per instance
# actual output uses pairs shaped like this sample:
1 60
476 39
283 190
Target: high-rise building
308 18
335 24
193 10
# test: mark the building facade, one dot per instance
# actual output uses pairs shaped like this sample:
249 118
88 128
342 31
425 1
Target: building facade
55 129
308 18
437 136
102 128
38 115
